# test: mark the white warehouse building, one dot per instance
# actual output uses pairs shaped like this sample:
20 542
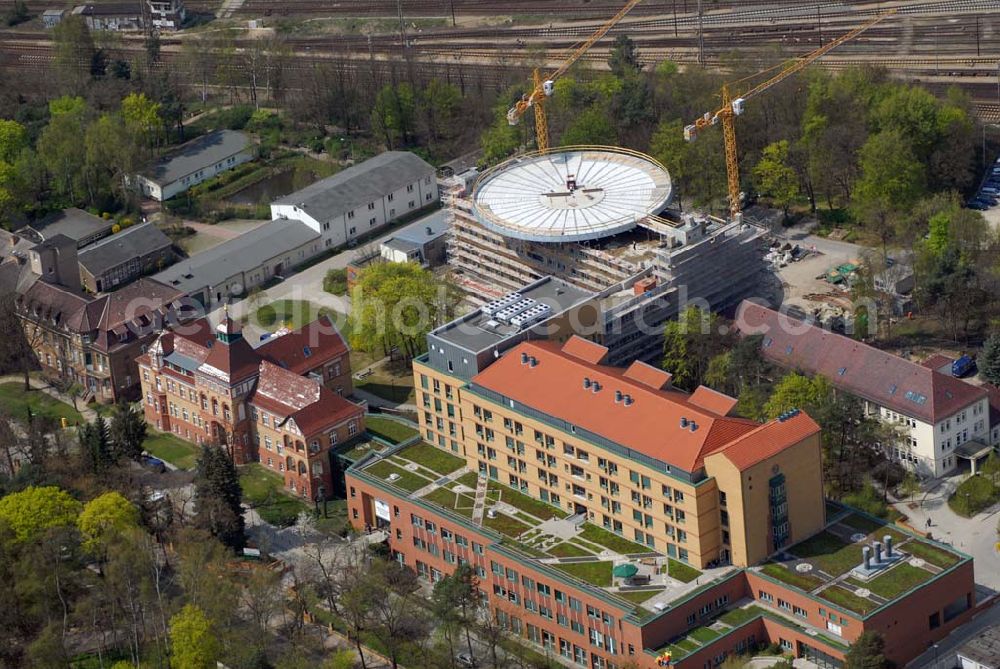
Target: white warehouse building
362 198
194 162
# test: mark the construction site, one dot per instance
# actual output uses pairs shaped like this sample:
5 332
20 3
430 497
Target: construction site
597 218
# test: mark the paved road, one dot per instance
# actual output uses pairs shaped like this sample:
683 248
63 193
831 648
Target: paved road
308 284
975 536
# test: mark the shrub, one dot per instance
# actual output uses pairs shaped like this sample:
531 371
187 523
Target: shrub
335 281
973 495
115 229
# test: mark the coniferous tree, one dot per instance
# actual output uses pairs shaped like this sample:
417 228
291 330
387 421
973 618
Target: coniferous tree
95 442
128 432
989 360
218 497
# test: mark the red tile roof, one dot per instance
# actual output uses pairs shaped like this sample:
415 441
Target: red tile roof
307 348
585 350
768 440
713 400
313 407
855 367
651 425
657 379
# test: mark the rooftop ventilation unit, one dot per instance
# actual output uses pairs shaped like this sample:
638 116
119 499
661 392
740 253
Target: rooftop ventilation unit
490 308
627 400
596 387
524 358
694 426
506 314
684 421
530 316
586 382
618 396
532 361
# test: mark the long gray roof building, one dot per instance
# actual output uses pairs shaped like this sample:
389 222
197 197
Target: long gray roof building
243 254
134 242
195 155
367 182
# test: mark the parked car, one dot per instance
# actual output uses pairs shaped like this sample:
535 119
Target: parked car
976 205
155 464
963 366
465 660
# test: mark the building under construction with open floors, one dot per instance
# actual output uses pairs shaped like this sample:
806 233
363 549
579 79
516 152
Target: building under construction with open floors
594 217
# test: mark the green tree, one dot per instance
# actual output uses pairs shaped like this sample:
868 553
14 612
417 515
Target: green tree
456 602
13 140
697 168
394 114
892 179
989 360
128 431
440 103
74 51
109 159
31 512
690 343
624 58
866 652
103 518
218 497
67 105
796 391
142 118
591 126
774 177
194 644
396 305
499 141
62 151
95 442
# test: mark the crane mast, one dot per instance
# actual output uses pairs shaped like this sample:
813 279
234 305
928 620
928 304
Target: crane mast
544 87
733 107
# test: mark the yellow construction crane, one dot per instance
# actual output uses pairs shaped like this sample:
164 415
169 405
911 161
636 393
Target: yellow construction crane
734 106
544 88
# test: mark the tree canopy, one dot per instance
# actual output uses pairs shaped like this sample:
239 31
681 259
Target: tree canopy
104 517
29 513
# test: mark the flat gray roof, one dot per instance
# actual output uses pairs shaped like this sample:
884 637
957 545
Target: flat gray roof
74 223
195 155
244 253
984 648
439 223
472 333
132 242
358 185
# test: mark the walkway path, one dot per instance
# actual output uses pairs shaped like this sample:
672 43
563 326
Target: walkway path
975 536
42 385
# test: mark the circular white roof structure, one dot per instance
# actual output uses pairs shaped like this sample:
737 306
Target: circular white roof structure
571 195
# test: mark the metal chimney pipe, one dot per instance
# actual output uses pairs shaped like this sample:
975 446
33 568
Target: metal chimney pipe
888 546
866 554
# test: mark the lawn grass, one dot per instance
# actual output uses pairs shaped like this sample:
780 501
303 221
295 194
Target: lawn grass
848 600
682 572
390 430
448 499
737 617
595 573
289 313
506 525
829 553
637 596
786 575
703 635
360 450
612 541
407 480
566 549
471 480
931 554
16 402
165 446
899 579
264 491
875 527
432 458
529 505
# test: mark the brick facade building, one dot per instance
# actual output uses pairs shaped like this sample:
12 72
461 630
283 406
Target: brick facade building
279 404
